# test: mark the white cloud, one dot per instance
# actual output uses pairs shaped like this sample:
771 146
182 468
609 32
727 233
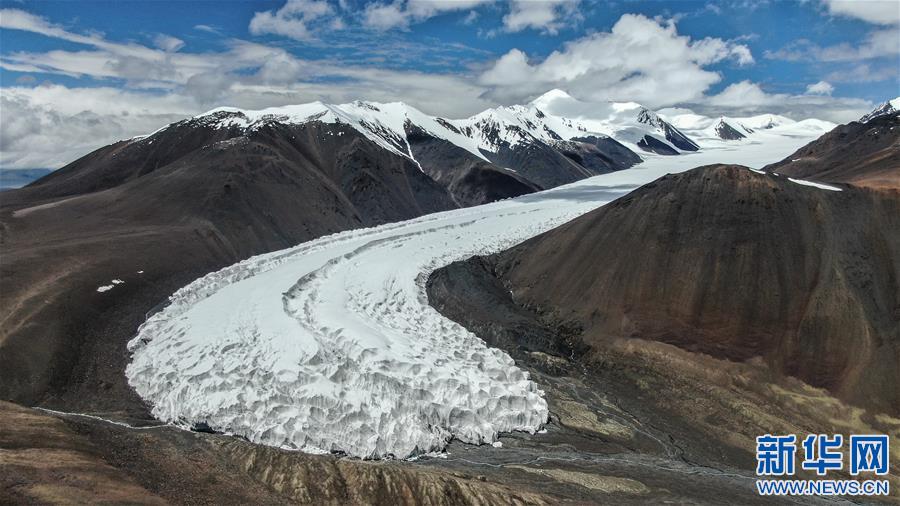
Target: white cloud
745 97
741 93
548 16
640 59
881 12
876 44
863 73
168 43
17 19
207 29
470 18
820 88
293 19
881 42
142 65
383 16
49 126
165 86
402 13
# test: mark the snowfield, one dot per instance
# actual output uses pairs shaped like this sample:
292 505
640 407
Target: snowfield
331 346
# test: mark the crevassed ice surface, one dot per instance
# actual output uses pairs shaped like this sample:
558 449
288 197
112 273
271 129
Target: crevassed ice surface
331 345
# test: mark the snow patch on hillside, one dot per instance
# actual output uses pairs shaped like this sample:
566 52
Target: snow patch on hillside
814 184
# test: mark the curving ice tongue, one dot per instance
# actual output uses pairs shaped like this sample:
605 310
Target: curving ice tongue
331 346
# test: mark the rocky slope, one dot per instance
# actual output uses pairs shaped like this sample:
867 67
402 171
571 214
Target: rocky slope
597 448
709 307
469 179
736 265
159 212
727 132
860 153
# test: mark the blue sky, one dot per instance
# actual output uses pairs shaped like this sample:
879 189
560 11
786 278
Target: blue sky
81 74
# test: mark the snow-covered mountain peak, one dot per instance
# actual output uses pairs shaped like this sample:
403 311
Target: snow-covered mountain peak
553 121
559 103
883 109
649 117
552 117
627 122
247 118
710 130
765 121
553 95
726 131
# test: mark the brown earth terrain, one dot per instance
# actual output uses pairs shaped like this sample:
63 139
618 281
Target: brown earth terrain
734 264
863 154
716 305
157 215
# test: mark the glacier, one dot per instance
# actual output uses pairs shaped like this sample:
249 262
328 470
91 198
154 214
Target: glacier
331 346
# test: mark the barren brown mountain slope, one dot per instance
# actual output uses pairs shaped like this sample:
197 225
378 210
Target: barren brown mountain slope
710 306
734 264
157 214
863 154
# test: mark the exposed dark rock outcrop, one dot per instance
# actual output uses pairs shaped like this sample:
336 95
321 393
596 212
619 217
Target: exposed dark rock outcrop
654 145
672 134
539 163
884 109
469 179
598 154
727 132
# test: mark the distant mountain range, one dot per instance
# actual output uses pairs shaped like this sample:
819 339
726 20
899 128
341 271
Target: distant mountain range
498 153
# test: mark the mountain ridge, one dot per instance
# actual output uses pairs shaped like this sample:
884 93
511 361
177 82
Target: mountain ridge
885 108
551 140
862 153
